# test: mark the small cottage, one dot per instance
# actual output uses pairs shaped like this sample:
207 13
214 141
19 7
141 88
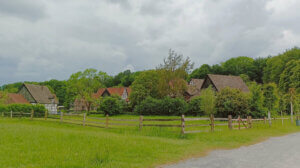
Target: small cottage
36 94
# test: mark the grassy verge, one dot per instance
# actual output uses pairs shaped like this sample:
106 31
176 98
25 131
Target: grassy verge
48 144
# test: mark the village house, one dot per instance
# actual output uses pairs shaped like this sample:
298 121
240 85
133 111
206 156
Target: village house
217 82
36 94
123 92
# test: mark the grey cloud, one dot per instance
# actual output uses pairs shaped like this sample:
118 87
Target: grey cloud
28 9
114 35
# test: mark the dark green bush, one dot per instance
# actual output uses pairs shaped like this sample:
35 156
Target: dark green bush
111 105
166 106
194 107
39 110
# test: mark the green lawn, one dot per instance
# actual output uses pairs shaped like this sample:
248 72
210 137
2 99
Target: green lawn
49 144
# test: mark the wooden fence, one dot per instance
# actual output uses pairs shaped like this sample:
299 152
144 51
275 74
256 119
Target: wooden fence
107 122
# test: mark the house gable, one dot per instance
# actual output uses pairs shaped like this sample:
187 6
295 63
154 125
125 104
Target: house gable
24 91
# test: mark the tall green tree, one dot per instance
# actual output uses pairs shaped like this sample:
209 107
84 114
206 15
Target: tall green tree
256 100
290 77
208 101
84 85
270 98
201 73
240 65
172 75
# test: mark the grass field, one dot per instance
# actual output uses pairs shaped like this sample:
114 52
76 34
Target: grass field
49 144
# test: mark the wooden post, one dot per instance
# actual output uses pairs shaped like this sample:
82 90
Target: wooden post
31 116
292 117
265 120
46 114
106 123
230 122
239 121
281 118
141 122
269 118
61 116
250 122
84 117
182 124
11 115
212 122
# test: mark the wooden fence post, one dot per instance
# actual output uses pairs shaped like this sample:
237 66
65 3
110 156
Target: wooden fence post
239 121
281 117
182 124
141 122
46 114
212 122
61 116
106 123
250 119
230 122
31 115
11 115
84 117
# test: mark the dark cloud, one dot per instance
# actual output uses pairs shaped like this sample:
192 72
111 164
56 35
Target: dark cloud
114 35
28 9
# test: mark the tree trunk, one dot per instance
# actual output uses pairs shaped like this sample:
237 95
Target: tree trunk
269 118
292 117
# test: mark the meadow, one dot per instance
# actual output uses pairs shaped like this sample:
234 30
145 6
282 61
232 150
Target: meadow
49 144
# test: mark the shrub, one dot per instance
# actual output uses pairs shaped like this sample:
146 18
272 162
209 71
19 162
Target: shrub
149 106
110 105
208 103
173 106
194 107
39 110
166 106
231 102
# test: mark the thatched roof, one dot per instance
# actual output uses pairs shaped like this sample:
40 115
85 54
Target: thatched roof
222 81
194 86
41 94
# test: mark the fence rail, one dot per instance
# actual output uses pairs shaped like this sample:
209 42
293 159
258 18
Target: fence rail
82 119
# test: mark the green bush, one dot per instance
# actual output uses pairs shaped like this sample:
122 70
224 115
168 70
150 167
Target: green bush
194 107
111 105
232 102
165 106
39 110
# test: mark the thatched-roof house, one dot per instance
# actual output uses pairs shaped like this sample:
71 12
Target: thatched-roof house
194 88
37 94
219 82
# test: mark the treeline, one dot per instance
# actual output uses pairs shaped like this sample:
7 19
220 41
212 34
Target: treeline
281 73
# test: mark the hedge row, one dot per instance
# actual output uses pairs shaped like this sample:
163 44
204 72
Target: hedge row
39 110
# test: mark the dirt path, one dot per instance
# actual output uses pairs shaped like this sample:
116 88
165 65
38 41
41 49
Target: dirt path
279 152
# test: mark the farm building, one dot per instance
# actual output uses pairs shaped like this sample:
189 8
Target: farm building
14 98
219 82
194 88
36 94
123 92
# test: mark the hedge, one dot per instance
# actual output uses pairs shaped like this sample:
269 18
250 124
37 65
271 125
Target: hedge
39 110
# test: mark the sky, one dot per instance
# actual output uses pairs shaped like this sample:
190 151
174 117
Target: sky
51 39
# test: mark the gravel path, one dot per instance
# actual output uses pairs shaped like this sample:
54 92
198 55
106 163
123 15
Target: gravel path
279 152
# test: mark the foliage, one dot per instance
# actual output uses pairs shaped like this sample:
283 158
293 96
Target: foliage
111 105
146 84
201 73
270 96
232 102
208 101
194 107
172 75
239 65
256 101
3 97
39 110
83 85
290 77
166 106
276 65
59 88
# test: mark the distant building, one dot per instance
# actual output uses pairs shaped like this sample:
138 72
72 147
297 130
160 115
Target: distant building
14 98
194 88
36 94
219 82
123 92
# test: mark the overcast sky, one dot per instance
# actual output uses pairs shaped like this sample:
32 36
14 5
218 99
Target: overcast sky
45 39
